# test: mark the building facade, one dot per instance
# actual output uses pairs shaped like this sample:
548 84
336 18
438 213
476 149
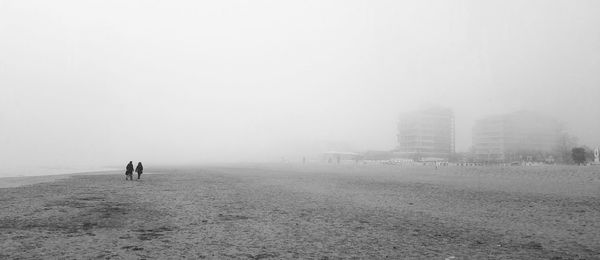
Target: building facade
427 133
519 136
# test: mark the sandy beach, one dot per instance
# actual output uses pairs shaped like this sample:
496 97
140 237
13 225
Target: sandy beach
308 211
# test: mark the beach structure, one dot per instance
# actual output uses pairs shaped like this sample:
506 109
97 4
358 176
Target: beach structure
427 133
338 157
518 136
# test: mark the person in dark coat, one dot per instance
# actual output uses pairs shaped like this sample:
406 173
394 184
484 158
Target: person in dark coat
129 171
139 169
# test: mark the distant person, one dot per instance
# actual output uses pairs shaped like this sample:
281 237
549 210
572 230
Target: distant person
129 171
139 169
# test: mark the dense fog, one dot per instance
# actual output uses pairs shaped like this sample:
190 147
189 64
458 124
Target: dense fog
88 84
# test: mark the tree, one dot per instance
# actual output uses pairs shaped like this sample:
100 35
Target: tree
589 153
578 155
562 152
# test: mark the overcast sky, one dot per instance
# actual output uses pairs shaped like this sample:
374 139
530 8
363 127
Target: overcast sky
104 82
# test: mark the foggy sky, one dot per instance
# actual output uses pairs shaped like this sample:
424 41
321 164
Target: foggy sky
105 82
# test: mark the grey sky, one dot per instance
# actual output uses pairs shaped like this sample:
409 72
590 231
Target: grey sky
102 82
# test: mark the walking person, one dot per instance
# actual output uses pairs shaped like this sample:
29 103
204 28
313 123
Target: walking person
139 169
129 171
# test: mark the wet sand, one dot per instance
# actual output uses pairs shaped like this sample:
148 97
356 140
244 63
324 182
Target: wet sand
317 212
8 182
17 181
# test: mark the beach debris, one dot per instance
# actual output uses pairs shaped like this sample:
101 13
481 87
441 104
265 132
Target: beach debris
149 234
134 248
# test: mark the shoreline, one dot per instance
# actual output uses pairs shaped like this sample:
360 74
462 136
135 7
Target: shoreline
19 181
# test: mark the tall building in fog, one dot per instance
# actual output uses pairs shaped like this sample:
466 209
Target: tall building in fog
517 136
427 133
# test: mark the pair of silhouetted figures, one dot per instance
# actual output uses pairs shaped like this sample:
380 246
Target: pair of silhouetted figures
129 170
